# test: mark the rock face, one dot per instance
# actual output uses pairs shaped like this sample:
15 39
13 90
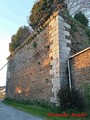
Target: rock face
37 72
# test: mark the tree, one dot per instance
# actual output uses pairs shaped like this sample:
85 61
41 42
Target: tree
75 6
38 10
16 39
81 18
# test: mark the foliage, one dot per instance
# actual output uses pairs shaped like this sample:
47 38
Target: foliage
71 99
34 44
16 39
40 103
74 6
74 27
88 32
38 10
86 88
35 109
81 18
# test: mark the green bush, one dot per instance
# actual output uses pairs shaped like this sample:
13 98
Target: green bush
81 18
18 38
88 32
71 99
74 27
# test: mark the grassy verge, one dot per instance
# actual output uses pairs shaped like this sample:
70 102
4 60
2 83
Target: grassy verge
43 112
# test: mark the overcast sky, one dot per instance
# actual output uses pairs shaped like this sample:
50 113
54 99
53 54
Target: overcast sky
13 14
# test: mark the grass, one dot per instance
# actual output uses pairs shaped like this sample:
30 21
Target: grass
2 96
43 112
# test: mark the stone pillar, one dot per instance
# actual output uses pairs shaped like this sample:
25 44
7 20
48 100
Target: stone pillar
64 50
60 52
54 48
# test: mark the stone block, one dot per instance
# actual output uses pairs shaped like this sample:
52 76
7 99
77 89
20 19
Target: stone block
55 40
66 48
61 31
56 75
63 43
64 55
52 23
51 39
56 55
50 55
51 72
65 52
56 85
60 18
67 41
51 47
61 36
54 89
67 25
55 71
52 99
55 94
66 33
63 60
55 49
52 80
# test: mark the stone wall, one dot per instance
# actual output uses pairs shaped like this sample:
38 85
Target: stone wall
38 73
80 68
60 54
28 70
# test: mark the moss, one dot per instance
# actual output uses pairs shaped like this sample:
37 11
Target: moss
34 45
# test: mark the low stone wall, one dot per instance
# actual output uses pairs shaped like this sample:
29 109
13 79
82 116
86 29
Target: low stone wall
80 69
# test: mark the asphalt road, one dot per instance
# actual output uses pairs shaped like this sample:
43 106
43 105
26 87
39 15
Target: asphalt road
10 113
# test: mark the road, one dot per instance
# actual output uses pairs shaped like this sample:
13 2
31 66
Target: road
10 113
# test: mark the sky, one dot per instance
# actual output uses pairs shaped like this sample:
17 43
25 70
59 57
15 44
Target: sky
13 14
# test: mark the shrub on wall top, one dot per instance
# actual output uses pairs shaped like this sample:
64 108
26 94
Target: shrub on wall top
18 38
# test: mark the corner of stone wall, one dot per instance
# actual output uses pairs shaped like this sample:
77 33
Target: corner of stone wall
64 48
60 52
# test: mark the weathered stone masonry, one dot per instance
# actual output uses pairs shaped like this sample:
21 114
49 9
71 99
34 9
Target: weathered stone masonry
60 54
28 71
80 69
38 73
